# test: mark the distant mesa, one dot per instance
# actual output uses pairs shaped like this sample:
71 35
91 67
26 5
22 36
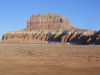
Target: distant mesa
52 28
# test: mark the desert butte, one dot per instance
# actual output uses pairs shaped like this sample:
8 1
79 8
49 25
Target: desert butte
43 28
27 52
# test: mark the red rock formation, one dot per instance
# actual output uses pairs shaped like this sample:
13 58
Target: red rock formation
65 38
52 27
60 36
50 21
97 41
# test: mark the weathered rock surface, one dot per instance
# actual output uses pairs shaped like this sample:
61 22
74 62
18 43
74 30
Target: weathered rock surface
48 22
82 37
42 28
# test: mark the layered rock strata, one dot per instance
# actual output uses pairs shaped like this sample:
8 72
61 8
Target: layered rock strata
43 28
81 37
48 22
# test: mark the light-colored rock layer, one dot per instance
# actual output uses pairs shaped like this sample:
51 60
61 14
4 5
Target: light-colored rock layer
79 36
52 27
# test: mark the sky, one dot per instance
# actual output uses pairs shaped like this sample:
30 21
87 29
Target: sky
84 14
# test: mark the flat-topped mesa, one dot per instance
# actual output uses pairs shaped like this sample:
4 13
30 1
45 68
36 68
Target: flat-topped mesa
42 28
49 21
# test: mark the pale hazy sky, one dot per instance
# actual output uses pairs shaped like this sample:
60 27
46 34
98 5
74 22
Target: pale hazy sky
84 14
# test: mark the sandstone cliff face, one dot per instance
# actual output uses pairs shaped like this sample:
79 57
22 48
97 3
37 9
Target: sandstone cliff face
81 37
43 28
48 22
97 38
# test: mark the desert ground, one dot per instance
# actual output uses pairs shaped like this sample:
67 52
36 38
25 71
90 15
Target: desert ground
49 59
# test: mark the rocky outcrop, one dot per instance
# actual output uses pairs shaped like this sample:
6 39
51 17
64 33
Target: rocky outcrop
43 28
48 22
97 38
81 37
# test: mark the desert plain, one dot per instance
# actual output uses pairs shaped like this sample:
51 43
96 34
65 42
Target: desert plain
49 59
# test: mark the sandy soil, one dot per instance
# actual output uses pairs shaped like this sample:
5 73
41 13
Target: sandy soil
49 59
